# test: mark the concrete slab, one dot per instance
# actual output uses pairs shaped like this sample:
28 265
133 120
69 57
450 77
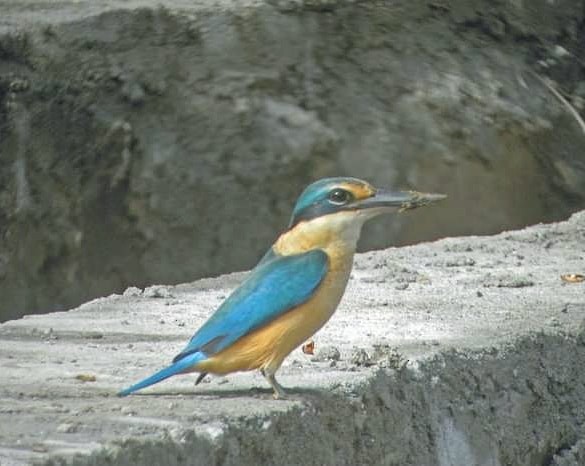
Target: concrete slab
466 351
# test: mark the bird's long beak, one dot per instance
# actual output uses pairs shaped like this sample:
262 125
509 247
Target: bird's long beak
398 200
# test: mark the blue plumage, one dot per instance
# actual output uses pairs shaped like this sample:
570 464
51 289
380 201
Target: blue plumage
173 369
323 232
276 285
313 201
317 192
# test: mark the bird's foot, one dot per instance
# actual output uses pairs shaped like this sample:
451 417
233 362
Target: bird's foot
279 391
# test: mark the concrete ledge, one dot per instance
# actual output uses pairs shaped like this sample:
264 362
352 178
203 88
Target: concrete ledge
466 351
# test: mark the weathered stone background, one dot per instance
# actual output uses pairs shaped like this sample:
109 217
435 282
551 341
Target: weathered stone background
143 143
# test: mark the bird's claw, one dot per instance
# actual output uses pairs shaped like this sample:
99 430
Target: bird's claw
279 394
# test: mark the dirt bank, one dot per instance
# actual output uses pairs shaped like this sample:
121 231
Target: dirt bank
143 144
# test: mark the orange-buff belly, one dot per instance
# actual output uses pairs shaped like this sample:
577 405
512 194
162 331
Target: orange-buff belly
268 346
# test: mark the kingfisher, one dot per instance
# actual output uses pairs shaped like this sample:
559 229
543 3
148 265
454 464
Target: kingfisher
295 288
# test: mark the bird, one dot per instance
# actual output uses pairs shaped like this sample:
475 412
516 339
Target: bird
294 289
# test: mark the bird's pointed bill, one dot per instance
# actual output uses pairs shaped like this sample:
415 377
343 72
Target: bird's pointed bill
400 200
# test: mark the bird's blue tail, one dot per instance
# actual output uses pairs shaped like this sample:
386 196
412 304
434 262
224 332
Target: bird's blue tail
176 368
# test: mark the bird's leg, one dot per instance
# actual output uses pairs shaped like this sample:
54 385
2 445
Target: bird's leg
279 392
200 378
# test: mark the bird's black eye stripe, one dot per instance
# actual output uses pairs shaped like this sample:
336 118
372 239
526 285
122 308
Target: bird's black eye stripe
339 196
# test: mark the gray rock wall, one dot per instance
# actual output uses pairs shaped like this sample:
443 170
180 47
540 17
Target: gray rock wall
144 144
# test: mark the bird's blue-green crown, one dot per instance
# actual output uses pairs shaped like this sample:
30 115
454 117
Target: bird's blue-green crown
327 196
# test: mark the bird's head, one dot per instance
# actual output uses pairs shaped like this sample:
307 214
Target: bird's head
340 206
360 199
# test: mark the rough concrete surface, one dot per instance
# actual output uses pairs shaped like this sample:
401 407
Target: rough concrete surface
151 142
466 351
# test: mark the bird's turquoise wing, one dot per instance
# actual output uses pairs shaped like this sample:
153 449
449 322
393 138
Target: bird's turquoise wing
276 285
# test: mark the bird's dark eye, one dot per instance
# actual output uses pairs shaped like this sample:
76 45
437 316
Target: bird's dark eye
339 196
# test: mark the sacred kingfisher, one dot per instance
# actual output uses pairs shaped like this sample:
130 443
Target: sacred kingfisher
296 287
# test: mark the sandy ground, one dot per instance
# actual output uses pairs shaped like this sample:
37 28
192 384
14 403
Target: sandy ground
462 351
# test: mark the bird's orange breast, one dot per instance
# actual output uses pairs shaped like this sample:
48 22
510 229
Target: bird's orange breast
267 346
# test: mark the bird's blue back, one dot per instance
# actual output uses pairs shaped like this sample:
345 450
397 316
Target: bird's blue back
276 285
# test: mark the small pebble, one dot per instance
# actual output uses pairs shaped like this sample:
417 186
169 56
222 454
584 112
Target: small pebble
127 410
387 356
560 52
134 93
327 353
360 357
66 428
132 291
157 291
